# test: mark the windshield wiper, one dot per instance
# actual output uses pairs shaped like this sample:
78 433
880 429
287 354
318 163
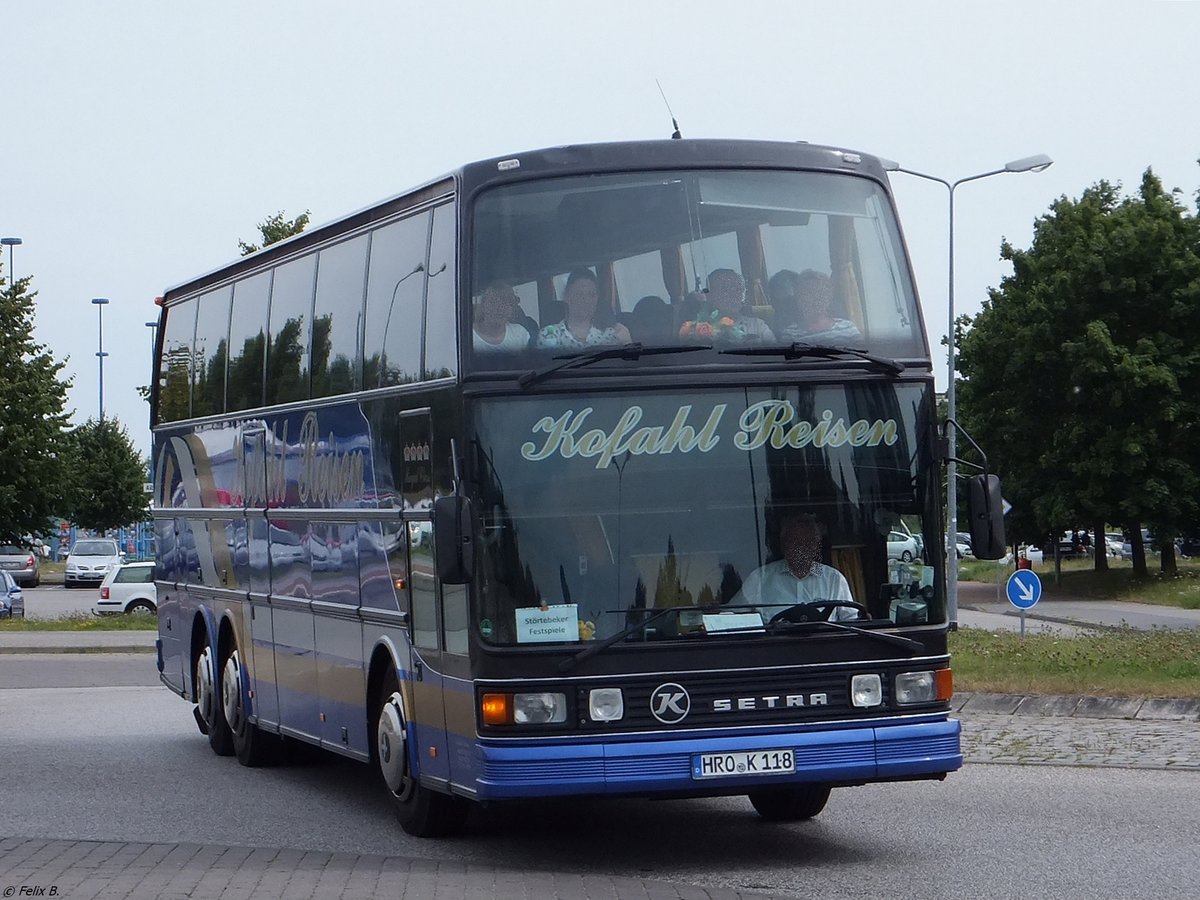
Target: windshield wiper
592 649
799 350
587 357
894 639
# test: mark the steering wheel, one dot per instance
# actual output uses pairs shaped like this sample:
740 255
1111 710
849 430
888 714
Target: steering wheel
817 611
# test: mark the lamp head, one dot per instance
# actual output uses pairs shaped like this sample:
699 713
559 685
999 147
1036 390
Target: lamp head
100 301
1038 163
10 242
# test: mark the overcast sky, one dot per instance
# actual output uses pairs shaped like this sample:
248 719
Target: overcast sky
142 140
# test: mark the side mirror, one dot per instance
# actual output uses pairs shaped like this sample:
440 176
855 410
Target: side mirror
453 539
985 509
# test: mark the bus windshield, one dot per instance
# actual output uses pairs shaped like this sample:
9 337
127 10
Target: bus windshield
670 258
597 508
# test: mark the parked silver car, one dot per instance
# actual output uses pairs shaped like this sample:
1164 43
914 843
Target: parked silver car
22 563
89 561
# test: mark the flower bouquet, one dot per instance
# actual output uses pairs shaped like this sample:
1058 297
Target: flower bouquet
713 326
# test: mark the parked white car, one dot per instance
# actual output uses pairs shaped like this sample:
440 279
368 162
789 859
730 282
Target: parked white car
128 588
901 546
90 560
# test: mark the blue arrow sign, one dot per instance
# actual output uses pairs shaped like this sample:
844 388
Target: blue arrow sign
1024 588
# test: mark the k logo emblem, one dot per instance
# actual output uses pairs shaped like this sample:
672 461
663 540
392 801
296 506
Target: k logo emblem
669 703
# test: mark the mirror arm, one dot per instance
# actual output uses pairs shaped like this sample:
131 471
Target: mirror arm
951 423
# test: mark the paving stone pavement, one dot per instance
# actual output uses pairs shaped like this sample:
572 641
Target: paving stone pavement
93 870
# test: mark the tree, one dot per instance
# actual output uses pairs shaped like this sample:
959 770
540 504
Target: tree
1080 374
33 426
276 228
108 477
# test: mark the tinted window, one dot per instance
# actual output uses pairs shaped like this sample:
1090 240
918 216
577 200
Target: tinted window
441 355
395 288
247 341
136 574
175 373
291 310
211 351
337 317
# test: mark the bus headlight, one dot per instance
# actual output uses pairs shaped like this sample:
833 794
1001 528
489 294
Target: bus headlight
914 687
606 704
866 690
539 709
924 687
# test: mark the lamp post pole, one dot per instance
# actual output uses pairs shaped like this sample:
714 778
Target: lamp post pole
100 303
153 326
1027 164
10 242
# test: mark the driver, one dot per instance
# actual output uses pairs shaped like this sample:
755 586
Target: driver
799 577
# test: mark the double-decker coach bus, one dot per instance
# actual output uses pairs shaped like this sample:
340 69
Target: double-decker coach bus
606 469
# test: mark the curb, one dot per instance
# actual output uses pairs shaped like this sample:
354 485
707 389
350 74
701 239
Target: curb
76 651
1156 709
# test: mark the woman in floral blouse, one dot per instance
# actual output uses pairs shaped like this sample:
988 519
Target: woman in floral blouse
578 329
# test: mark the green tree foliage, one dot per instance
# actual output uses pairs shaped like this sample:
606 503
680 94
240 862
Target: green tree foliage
108 477
33 426
276 228
1082 372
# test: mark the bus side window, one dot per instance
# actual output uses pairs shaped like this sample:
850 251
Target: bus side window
290 319
248 342
337 315
441 356
395 287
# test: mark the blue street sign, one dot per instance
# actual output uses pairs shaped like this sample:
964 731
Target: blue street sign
1024 588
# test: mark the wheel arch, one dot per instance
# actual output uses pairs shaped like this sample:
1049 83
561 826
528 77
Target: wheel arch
384 657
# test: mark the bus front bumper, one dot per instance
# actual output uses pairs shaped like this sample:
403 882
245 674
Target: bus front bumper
666 767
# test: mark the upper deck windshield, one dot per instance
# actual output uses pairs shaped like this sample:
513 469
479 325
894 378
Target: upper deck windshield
597 508
684 258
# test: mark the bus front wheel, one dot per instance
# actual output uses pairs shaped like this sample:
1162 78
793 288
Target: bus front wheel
422 812
794 803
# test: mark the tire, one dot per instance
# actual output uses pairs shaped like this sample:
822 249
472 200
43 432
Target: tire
252 746
790 804
141 608
208 705
906 556
422 812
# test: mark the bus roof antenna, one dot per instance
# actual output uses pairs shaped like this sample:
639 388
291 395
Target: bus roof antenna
676 135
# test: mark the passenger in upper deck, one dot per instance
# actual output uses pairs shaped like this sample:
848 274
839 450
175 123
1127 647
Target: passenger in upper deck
799 577
816 323
493 328
725 317
579 329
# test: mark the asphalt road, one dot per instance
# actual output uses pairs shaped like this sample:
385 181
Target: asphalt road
88 759
53 601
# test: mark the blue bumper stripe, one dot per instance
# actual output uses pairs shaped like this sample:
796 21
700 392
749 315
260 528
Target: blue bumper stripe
665 767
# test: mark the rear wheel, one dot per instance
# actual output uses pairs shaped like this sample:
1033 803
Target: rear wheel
422 812
208 705
253 746
140 608
794 803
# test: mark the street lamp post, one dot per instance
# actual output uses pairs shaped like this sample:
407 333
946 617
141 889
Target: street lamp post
100 303
10 242
1036 163
153 326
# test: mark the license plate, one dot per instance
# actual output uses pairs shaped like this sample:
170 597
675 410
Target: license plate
743 763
